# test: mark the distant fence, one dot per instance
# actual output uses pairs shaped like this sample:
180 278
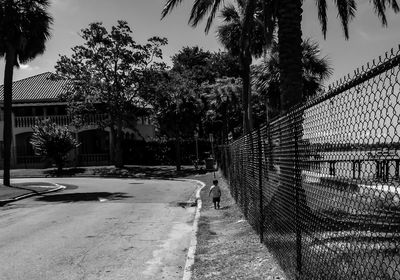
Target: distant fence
321 184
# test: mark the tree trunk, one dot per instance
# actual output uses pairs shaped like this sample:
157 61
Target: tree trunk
7 131
60 165
178 153
246 95
290 52
118 158
291 89
112 142
245 60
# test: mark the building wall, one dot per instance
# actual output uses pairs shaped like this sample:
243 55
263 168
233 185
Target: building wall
22 127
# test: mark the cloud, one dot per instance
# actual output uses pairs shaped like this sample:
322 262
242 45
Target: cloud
365 35
28 67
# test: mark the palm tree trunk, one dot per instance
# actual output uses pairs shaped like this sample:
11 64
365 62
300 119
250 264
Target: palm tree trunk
245 59
290 52
246 96
291 89
7 132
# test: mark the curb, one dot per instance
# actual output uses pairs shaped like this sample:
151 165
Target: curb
187 272
6 201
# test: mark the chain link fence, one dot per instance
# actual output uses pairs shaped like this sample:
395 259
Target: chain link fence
321 184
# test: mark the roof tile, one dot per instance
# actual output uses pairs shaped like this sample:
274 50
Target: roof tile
36 88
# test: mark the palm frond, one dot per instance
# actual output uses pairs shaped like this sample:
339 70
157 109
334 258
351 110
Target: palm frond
380 8
322 16
26 26
346 12
229 13
201 8
169 6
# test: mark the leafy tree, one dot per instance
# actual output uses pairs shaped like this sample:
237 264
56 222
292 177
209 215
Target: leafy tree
201 9
224 64
223 115
24 30
201 67
176 105
105 74
266 78
53 142
287 14
204 66
193 62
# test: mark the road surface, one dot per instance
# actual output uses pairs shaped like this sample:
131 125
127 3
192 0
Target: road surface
104 229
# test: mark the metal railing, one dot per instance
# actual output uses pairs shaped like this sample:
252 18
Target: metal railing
29 121
89 159
321 184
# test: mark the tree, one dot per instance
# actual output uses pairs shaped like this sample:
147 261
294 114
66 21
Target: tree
200 10
24 30
204 66
266 77
289 16
176 105
230 34
105 74
53 142
223 115
194 63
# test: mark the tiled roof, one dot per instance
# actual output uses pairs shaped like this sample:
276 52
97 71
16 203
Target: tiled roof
44 88
39 88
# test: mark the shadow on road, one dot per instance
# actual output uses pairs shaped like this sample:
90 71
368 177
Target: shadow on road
66 172
90 196
144 172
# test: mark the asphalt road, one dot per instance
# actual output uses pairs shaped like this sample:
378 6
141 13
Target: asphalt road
104 229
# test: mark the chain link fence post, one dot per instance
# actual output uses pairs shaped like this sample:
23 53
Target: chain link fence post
298 209
260 187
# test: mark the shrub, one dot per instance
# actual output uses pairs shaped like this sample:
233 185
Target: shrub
53 142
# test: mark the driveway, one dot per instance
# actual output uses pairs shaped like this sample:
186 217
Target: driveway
103 229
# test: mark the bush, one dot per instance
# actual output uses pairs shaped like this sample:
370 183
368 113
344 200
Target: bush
53 142
162 152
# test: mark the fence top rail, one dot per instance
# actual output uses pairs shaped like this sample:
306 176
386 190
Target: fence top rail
377 66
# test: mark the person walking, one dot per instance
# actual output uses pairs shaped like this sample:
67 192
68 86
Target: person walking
216 194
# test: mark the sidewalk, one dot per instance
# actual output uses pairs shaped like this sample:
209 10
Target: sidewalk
227 246
23 190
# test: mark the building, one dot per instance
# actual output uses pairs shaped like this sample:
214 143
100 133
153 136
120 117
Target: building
37 98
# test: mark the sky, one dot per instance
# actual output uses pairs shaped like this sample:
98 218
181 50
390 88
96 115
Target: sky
368 39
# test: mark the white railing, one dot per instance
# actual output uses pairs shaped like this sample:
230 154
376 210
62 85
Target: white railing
29 121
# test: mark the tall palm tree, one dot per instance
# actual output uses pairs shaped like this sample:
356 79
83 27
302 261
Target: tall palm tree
24 29
266 75
230 35
288 13
202 8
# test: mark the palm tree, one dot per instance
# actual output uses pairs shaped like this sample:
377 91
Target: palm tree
201 9
266 75
230 36
288 13
24 29
223 116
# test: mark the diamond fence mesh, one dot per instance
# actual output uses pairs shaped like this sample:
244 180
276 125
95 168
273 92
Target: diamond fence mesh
321 184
